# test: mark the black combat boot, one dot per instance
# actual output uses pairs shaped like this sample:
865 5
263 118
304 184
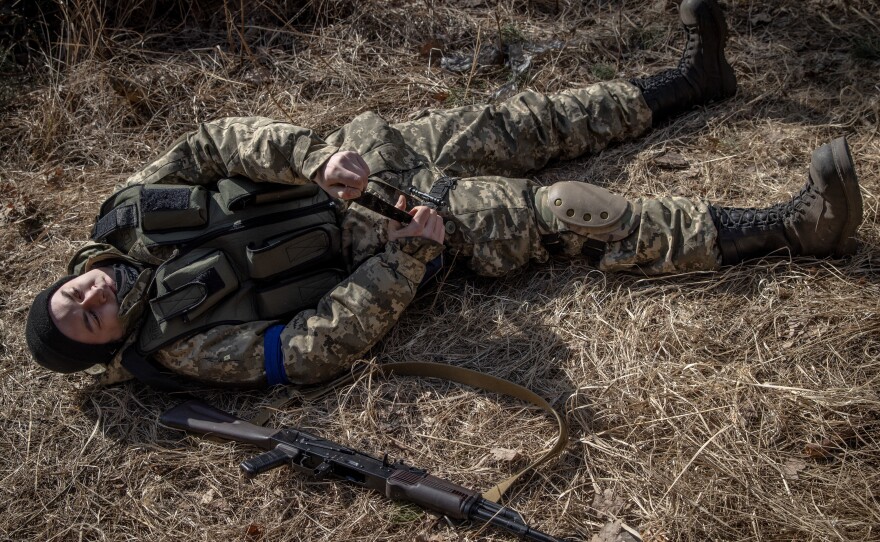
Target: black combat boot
703 73
821 220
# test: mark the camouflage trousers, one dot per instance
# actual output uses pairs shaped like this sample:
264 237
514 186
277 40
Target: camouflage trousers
496 222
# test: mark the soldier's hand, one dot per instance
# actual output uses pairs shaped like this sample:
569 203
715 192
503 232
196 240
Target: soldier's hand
425 223
344 176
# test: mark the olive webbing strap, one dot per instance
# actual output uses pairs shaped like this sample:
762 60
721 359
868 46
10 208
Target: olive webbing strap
460 375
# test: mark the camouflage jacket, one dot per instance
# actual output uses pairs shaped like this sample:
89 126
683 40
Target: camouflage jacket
317 343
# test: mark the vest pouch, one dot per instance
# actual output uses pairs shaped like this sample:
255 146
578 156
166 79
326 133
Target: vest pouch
283 253
238 192
193 284
294 295
173 207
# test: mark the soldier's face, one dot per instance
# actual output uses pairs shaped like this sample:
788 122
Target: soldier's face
85 308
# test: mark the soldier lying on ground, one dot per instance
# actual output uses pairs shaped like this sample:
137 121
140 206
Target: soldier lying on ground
202 268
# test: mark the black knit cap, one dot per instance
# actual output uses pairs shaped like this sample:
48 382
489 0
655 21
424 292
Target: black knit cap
53 349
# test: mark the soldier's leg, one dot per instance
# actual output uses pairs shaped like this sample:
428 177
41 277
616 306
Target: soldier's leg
667 235
491 225
498 225
703 73
653 235
529 130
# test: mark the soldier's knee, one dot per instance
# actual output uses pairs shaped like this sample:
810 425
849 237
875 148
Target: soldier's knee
589 210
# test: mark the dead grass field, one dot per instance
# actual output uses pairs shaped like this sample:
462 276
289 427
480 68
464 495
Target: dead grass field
739 405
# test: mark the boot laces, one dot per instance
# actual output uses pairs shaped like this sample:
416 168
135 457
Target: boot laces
671 75
692 45
658 81
769 217
804 198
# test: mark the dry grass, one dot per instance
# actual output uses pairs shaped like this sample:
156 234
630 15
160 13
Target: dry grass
699 404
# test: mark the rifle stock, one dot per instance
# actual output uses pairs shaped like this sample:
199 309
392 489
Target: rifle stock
203 419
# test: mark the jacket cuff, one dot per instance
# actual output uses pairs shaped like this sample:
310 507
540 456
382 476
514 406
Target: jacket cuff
315 160
411 255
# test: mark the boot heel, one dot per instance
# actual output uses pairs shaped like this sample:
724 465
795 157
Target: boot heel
845 169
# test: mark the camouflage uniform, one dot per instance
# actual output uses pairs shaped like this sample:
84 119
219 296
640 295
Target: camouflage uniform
495 224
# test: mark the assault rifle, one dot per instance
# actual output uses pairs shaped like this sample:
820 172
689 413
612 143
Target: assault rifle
319 458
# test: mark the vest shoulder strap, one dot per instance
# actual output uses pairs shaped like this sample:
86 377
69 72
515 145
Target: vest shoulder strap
148 372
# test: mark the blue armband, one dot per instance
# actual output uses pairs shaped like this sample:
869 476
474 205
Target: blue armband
274 359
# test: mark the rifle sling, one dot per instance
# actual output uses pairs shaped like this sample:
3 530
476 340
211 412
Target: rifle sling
452 373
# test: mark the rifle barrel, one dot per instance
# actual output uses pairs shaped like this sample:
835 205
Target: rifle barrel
509 520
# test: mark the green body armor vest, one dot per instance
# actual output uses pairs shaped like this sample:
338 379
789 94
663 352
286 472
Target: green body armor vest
239 252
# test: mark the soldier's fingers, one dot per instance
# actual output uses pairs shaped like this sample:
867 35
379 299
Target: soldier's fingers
424 210
356 168
433 227
347 177
424 224
393 225
410 230
339 190
422 214
439 232
421 220
343 192
363 164
342 188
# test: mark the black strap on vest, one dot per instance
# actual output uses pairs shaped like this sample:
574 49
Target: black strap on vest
125 216
145 370
593 251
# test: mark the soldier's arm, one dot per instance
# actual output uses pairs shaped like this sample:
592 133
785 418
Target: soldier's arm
261 149
316 344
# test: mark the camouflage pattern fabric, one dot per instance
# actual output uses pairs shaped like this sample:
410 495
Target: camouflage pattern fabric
670 235
495 224
524 133
257 148
674 235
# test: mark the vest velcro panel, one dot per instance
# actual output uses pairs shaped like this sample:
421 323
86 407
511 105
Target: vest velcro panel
171 208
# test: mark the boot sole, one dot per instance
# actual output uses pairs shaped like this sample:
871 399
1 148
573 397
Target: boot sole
846 172
709 10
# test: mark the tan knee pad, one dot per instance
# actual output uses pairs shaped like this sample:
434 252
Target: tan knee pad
592 211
